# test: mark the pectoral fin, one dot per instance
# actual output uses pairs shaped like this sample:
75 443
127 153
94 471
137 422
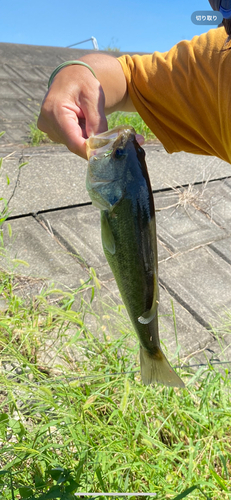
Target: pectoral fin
148 316
106 234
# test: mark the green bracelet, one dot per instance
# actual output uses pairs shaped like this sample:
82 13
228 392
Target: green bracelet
68 63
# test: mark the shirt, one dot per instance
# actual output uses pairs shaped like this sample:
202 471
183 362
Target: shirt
184 95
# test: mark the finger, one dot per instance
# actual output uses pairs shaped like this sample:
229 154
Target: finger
93 110
140 139
67 132
72 132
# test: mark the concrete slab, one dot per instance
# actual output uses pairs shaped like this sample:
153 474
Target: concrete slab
24 73
48 181
19 110
14 132
32 243
6 72
54 177
64 238
181 228
80 228
39 55
216 201
46 258
200 281
10 90
35 91
186 277
223 249
192 337
179 169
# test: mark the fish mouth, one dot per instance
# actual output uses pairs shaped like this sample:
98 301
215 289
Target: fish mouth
103 144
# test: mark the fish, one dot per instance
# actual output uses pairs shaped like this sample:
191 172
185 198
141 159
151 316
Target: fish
118 184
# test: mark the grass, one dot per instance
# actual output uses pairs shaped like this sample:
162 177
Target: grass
132 119
37 137
84 421
75 416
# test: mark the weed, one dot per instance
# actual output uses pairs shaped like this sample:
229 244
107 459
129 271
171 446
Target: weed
112 46
75 417
132 119
83 421
36 136
5 211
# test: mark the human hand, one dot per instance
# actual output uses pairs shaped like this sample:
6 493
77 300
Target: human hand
73 109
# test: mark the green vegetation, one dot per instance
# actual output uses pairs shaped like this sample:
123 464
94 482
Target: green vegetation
112 46
75 416
132 119
36 137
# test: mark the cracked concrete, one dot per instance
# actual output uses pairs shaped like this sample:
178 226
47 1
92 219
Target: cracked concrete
61 244
57 231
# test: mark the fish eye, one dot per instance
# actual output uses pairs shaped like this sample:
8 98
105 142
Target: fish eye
119 153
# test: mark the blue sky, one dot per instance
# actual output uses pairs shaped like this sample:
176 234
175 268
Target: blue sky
130 25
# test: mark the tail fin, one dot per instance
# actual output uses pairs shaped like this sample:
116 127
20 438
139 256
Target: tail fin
156 368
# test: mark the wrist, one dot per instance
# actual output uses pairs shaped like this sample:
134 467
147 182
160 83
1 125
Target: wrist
68 63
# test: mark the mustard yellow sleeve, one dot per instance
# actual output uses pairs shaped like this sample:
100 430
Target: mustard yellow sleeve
184 95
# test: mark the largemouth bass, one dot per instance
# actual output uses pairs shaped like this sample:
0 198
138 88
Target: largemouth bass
119 185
